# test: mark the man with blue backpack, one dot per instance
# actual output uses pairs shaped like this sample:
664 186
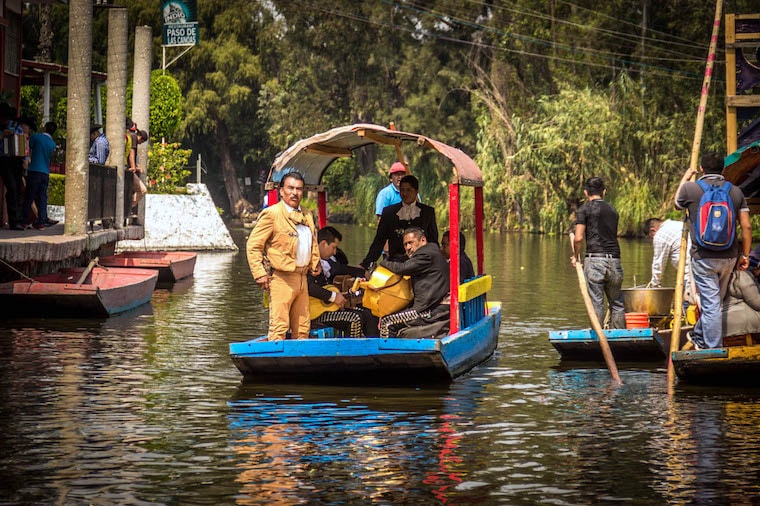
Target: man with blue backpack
714 208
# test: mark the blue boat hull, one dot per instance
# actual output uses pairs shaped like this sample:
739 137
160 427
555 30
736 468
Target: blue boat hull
628 345
376 360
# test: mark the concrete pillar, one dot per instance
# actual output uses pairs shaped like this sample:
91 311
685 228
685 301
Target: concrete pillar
116 100
141 97
78 115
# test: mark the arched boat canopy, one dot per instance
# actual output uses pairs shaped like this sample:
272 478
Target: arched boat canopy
312 156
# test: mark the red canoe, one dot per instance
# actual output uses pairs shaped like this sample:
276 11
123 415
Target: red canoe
171 265
103 292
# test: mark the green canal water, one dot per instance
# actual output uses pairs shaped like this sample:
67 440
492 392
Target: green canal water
147 408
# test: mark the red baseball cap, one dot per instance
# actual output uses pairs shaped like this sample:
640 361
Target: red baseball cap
397 167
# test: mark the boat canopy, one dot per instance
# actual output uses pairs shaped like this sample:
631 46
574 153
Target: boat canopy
313 155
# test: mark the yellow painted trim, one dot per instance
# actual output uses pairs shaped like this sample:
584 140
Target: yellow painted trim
744 353
475 288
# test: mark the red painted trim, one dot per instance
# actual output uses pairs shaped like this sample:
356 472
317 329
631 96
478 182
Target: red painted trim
479 228
454 262
322 208
273 196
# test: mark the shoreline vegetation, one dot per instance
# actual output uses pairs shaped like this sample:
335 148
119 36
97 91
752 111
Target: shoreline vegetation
541 95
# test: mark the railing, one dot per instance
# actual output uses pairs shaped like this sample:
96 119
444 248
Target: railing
101 201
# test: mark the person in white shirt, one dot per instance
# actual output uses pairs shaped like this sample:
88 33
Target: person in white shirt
666 239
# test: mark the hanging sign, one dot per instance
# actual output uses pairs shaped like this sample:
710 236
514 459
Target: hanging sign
180 25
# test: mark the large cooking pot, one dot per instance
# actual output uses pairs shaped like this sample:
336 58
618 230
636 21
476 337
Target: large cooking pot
652 301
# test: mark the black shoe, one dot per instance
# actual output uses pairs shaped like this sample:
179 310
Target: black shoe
50 223
18 226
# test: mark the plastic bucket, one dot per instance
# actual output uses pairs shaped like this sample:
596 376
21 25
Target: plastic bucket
636 320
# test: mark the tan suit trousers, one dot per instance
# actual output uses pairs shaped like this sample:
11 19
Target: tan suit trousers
289 305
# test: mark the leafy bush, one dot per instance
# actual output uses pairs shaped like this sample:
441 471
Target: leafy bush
57 190
167 170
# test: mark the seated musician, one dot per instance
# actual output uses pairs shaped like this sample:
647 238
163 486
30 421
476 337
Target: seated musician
351 322
430 281
466 270
741 307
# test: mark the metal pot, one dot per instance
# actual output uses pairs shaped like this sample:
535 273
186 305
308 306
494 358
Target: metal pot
652 301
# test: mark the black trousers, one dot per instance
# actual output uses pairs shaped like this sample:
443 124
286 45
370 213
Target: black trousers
11 172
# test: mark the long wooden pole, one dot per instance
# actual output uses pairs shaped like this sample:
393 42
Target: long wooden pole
603 344
678 298
87 271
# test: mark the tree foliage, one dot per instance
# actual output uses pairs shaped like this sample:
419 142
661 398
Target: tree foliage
542 93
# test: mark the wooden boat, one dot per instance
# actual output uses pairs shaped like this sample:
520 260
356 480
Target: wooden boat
627 345
103 292
171 265
471 335
733 365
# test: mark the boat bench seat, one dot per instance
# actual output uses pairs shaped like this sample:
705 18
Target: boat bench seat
472 299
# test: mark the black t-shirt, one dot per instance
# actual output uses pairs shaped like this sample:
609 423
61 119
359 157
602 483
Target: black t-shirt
601 220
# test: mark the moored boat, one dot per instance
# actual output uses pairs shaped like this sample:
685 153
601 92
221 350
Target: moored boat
103 292
171 265
628 345
436 353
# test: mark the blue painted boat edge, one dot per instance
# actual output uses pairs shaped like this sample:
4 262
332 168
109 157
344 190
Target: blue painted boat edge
610 334
689 355
457 353
471 346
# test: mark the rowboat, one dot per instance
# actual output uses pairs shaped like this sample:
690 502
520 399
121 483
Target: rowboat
103 292
171 265
733 365
467 339
627 345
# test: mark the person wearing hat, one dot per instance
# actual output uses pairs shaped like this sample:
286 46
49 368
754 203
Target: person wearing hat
390 194
42 146
99 149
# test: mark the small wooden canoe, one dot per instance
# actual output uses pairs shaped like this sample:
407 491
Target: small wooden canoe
734 365
171 265
627 345
104 292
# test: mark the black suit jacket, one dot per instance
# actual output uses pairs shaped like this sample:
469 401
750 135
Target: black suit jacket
429 272
391 229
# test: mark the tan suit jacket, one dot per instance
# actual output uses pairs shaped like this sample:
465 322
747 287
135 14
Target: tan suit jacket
275 238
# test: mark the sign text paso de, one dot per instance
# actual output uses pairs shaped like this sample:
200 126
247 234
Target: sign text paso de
181 34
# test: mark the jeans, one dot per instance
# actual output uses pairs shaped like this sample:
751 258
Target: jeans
711 275
36 191
604 276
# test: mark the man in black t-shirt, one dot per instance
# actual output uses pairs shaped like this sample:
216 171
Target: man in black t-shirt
597 223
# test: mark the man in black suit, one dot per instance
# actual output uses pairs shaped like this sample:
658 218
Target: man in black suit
430 282
397 218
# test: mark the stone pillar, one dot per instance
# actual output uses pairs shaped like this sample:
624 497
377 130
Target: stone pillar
141 97
78 115
116 100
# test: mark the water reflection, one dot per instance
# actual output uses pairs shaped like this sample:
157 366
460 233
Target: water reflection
713 441
146 407
388 445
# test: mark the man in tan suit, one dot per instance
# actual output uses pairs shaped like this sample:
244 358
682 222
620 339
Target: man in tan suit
281 249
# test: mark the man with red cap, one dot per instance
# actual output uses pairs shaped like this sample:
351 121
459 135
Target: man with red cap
390 194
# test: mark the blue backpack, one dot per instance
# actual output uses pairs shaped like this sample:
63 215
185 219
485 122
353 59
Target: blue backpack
714 225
